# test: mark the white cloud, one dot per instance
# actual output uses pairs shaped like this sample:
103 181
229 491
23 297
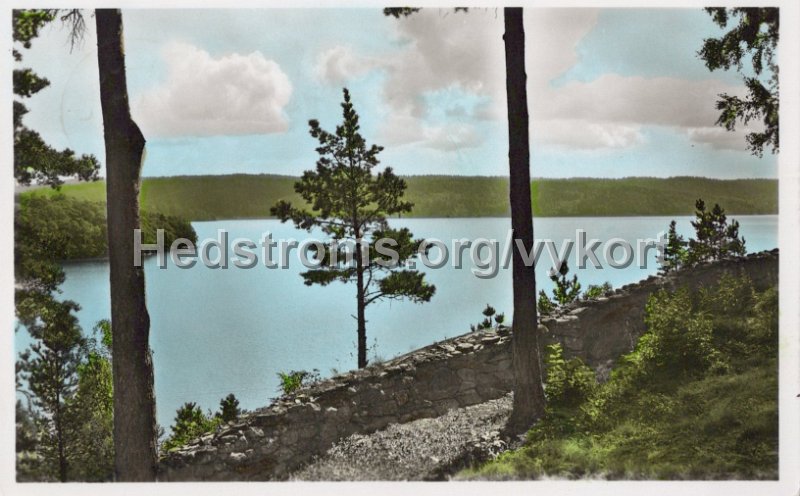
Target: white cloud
585 135
452 137
205 96
719 138
441 50
610 111
340 64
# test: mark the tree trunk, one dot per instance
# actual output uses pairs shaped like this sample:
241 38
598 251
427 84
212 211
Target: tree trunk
134 403
528 390
361 299
62 455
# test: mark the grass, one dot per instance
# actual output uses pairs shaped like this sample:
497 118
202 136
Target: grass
714 428
665 414
245 196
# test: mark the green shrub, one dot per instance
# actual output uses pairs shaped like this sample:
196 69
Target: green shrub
190 423
544 305
295 379
594 291
566 290
489 314
696 399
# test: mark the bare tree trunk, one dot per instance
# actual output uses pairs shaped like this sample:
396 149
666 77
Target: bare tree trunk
134 402
528 392
361 298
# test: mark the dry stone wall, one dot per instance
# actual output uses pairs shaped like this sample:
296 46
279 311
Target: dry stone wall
271 442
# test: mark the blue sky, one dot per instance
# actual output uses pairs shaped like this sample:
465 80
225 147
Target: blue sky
612 92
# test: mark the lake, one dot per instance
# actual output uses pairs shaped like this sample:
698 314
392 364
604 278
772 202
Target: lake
220 331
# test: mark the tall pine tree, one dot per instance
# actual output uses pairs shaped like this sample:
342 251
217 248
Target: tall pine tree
350 204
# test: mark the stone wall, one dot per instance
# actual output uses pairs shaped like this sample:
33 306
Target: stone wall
273 441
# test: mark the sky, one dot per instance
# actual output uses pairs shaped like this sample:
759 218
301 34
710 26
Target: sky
612 92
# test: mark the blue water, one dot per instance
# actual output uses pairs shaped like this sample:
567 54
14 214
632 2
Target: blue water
220 331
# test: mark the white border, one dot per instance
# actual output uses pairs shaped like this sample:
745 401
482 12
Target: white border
789 241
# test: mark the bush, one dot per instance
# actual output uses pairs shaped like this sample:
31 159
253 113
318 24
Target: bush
190 423
544 305
228 408
594 291
488 313
715 239
296 379
696 399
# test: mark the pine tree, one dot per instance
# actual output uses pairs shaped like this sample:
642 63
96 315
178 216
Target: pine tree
34 160
566 290
753 39
91 412
50 368
675 253
351 203
715 238
229 408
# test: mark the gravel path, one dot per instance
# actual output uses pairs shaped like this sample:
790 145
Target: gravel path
425 449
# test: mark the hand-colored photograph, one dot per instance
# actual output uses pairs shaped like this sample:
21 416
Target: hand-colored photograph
398 244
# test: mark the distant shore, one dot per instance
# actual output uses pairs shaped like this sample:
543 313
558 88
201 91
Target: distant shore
242 196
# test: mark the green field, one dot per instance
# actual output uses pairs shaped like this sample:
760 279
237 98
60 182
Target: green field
241 196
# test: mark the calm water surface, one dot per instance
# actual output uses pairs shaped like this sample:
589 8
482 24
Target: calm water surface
220 331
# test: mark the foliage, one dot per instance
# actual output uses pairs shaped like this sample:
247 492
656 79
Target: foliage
28 463
696 399
489 314
91 412
50 368
190 423
565 291
755 37
716 239
398 12
544 305
676 253
295 379
351 204
229 408
594 291
569 382
60 227
69 382
246 196
34 160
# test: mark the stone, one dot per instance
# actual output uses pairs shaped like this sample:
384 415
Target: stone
254 433
274 441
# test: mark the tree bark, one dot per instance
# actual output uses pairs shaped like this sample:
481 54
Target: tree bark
62 454
361 299
134 402
528 391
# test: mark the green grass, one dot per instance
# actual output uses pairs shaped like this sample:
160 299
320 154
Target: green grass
674 408
715 428
251 196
